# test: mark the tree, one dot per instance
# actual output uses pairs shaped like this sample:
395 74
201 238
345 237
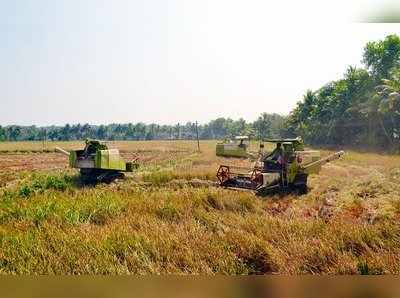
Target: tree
390 93
389 107
66 132
2 134
218 129
360 108
101 133
263 126
381 57
13 132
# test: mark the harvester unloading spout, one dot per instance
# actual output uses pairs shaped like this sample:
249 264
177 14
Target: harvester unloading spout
58 149
311 167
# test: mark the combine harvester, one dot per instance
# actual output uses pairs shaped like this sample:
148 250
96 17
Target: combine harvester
97 163
286 168
234 148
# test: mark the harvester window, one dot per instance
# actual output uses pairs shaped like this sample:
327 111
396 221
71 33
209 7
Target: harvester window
288 152
91 149
278 152
275 159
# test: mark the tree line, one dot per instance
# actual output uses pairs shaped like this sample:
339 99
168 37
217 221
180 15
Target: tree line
267 125
361 109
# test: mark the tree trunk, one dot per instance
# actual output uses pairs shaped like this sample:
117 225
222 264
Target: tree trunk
385 131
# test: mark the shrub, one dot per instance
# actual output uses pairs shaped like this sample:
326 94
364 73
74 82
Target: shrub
57 183
42 183
25 191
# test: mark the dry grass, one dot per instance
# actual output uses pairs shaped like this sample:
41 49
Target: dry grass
154 222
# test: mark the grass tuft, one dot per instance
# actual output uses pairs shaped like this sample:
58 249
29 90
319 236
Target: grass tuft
168 212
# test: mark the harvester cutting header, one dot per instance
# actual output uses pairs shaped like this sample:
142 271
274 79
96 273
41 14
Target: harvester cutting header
287 167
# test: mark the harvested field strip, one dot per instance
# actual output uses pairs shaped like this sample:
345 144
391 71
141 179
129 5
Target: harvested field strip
168 218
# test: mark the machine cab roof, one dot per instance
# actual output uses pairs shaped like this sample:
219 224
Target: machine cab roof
241 138
94 141
295 140
297 144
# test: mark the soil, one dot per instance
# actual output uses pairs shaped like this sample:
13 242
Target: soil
52 161
32 161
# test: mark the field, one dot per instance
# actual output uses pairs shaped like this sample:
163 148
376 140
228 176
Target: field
166 219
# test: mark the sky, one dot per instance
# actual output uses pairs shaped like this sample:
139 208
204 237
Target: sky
173 61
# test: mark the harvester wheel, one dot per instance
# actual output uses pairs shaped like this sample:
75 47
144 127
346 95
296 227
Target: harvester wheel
302 189
88 176
110 177
93 176
300 184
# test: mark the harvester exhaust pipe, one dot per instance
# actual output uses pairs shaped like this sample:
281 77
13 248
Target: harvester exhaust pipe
58 149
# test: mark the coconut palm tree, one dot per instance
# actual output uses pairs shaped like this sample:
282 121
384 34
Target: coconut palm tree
390 93
389 105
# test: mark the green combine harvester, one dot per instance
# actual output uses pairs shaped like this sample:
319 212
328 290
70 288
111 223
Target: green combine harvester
285 168
97 163
234 148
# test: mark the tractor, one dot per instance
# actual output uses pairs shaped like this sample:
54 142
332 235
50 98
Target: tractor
285 168
97 163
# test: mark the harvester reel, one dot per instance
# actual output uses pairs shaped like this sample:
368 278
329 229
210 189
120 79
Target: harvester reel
255 176
223 174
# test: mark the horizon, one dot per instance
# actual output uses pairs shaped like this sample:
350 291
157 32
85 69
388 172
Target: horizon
142 122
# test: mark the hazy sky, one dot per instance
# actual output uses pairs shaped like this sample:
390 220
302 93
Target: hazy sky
171 61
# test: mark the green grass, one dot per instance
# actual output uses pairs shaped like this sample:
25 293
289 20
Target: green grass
155 223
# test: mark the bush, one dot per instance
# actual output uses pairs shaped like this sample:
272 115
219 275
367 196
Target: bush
57 183
25 191
42 183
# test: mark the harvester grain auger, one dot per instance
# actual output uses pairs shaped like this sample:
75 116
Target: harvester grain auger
97 163
286 168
